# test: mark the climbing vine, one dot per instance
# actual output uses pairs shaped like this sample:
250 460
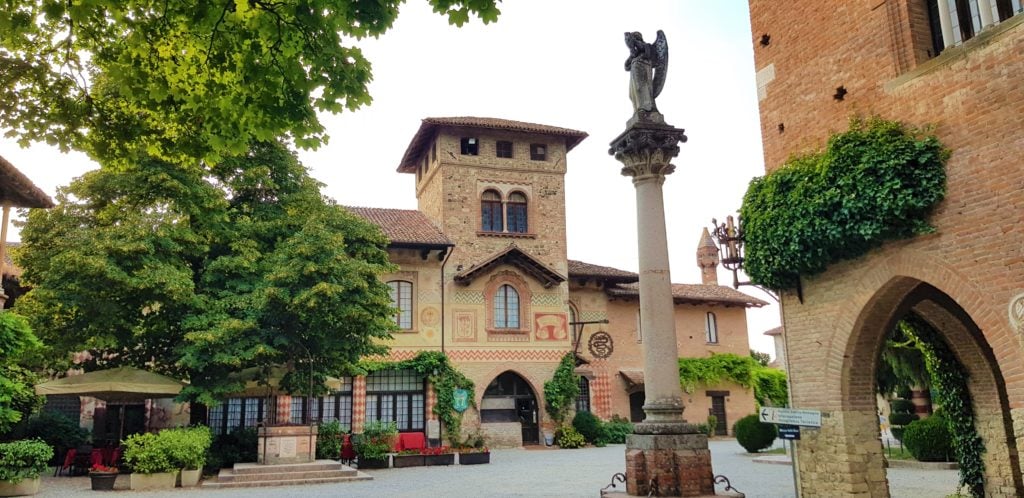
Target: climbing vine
561 391
768 384
949 385
878 181
445 379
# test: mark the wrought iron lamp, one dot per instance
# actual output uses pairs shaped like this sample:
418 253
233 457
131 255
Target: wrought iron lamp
729 236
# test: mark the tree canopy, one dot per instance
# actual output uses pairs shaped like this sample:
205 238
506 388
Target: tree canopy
188 80
17 399
201 272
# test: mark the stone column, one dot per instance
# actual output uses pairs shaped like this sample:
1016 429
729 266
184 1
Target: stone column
665 456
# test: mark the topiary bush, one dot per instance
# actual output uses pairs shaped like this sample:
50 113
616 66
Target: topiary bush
900 405
617 429
754 435
570 438
928 440
590 427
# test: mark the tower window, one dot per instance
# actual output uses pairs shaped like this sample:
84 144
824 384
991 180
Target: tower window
504 149
517 213
711 328
490 212
470 146
538 152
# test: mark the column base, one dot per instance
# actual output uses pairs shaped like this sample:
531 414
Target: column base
669 465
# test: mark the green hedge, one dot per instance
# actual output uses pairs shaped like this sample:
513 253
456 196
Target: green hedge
929 439
878 181
768 384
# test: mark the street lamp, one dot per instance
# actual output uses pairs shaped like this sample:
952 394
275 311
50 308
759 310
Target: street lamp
730 245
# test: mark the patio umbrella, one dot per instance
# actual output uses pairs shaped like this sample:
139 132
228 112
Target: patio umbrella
116 385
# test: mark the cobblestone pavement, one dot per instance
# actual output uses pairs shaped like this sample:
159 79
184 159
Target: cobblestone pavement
514 473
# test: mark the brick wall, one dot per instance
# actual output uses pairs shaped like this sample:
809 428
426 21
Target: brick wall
961 278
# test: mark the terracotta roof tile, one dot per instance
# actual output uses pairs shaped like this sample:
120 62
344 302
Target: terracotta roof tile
404 227
694 294
579 269
17 190
429 126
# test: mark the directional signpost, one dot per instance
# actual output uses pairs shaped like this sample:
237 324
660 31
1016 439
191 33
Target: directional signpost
789 416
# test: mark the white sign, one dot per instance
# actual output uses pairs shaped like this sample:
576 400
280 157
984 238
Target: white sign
788 416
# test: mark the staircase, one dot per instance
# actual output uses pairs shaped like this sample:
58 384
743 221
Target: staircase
254 474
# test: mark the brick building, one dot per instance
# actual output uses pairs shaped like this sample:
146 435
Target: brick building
956 65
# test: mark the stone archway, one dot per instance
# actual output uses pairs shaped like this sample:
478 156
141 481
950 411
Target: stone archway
849 441
509 410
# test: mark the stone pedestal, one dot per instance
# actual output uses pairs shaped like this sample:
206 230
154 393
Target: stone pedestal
669 465
286 444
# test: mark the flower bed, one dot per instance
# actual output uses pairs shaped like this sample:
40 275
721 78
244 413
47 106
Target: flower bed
441 455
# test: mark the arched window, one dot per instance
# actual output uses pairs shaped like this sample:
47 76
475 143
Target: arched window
711 328
506 308
583 401
490 211
516 210
401 298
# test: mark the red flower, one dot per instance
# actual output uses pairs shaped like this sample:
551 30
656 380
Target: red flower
103 469
440 450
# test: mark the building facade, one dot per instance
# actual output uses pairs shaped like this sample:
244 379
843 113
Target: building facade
957 66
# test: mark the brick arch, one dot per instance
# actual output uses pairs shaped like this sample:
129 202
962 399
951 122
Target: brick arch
498 370
886 292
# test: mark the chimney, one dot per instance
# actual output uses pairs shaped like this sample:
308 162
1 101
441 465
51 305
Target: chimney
707 259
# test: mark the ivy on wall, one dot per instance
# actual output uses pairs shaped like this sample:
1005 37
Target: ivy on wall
949 386
561 391
768 384
442 375
878 181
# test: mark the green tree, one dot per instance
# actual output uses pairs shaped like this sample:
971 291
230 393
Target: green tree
762 358
188 80
200 272
17 398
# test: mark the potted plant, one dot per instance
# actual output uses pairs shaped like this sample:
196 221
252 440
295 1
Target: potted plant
151 466
21 462
474 451
102 477
408 458
441 455
375 443
186 448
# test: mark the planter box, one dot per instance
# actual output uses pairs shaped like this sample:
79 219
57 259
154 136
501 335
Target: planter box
159 480
189 478
402 461
102 481
23 488
372 463
445 459
474 458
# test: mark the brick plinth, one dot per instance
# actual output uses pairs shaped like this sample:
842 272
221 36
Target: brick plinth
676 465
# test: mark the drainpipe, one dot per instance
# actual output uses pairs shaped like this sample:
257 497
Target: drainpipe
447 254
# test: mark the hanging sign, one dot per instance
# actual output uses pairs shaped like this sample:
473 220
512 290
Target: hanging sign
460 400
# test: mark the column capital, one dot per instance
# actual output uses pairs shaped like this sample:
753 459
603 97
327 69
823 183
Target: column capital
647 149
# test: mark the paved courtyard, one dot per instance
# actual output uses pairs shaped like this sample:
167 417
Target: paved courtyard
563 473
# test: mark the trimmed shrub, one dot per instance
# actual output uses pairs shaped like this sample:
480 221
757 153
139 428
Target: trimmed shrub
329 439
712 425
186 447
928 440
570 438
24 459
229 449
617 429
754 435
900 405
148 454
590 427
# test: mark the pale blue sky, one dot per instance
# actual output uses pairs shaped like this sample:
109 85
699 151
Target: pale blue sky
558 63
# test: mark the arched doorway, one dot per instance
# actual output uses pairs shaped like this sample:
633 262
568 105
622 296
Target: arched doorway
856 422
509 398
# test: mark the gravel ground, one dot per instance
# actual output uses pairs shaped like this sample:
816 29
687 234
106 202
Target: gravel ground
542 472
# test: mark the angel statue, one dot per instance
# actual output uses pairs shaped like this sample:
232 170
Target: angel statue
647 65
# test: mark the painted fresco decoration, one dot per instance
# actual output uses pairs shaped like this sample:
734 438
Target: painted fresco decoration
601 345
1017 313
551 326
460 400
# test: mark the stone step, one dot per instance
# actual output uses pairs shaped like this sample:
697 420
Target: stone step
286 482
256 468
227 475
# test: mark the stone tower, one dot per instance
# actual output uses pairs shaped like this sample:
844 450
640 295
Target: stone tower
707 259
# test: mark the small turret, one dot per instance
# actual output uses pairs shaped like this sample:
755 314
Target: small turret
707 259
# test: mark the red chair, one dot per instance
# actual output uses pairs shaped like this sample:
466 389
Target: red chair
348 452
69 461
96 457
115 457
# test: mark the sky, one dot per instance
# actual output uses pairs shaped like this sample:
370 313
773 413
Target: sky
558 63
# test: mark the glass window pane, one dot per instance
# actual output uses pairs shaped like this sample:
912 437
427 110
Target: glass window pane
402 417
418 408
371 407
